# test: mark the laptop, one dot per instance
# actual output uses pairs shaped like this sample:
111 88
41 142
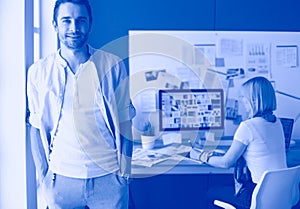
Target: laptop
287 125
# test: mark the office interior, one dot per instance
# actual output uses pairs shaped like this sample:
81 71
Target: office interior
112 21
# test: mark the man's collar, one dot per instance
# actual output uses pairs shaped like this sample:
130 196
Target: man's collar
60 60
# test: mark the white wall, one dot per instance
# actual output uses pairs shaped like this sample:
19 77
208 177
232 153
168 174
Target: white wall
12 105
48 36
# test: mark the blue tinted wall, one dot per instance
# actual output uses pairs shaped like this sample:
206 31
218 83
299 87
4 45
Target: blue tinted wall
113 19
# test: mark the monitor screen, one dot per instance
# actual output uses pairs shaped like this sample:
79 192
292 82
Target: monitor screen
191 109
287 125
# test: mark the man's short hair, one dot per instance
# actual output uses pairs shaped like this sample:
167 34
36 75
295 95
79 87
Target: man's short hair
81 2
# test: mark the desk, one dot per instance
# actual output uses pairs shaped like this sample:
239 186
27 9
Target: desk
174 184
184 185
189 167
177 166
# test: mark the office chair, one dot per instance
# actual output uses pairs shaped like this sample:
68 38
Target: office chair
277 189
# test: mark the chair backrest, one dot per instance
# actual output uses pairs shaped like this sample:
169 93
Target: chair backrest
277 189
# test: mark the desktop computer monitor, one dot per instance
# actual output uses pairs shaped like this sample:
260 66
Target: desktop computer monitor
191 109
287 126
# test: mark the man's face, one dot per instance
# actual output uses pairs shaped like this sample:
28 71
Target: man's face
72 25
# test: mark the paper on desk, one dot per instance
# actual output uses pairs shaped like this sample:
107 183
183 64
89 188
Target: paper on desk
174 149
147 158
171 138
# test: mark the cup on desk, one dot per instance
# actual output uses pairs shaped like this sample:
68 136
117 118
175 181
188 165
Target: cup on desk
148 141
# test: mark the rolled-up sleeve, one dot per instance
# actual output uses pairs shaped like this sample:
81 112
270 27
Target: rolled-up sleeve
32 97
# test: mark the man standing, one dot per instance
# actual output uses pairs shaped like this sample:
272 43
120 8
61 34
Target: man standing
80 115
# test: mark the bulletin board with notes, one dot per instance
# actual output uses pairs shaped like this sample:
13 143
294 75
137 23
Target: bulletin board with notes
213 59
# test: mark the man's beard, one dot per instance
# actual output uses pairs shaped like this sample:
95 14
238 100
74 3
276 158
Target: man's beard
75 43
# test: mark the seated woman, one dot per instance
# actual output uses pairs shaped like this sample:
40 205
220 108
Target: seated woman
259 140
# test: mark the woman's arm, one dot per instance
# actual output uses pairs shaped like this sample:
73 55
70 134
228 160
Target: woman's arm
231 156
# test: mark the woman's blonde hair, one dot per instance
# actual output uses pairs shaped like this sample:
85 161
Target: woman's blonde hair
261 95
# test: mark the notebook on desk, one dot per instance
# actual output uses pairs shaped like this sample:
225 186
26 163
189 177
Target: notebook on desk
287 125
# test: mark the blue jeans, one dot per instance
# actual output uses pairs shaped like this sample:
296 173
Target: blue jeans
109 192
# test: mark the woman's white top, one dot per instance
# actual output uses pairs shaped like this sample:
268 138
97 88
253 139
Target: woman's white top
265 145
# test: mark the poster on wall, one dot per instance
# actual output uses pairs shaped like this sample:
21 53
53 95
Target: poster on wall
258 59
287 56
